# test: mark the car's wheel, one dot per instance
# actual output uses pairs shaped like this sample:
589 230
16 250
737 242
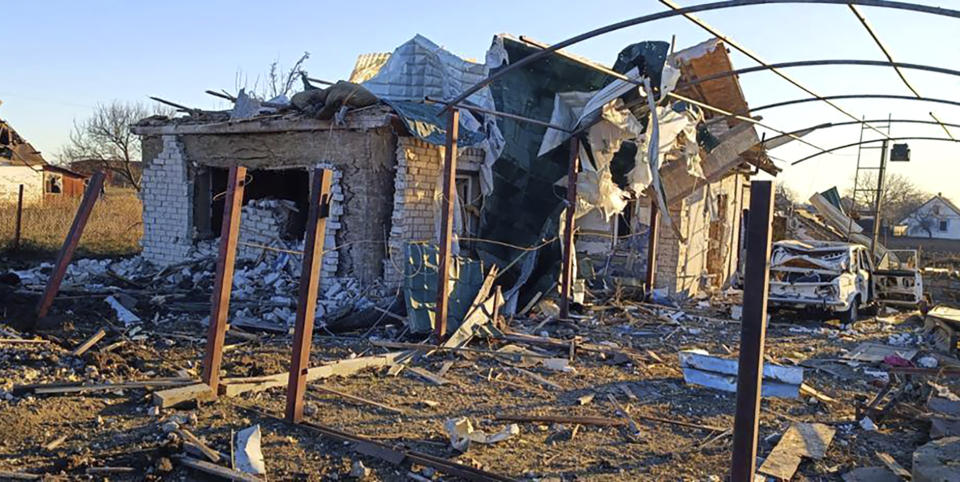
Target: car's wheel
852 314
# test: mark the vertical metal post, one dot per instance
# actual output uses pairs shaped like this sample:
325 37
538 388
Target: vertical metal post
223 283
878 202
446 222
309 281
569 249
753 332
90 197
16 233
652 236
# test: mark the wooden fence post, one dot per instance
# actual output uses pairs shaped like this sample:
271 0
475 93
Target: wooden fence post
309 281
223 284
90 197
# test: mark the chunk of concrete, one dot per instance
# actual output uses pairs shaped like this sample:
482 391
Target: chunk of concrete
937 461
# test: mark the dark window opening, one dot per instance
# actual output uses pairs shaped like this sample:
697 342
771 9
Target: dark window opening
291 184
54 184
943 225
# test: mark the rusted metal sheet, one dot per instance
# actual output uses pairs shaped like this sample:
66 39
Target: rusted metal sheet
753 332
223 283
446 226
90 197
309 281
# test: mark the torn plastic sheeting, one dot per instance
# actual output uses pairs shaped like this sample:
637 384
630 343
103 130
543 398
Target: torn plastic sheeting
701 368
521 178
426 122
420 287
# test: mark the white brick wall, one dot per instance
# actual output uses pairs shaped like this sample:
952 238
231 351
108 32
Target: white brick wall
11 177
167 205
415 209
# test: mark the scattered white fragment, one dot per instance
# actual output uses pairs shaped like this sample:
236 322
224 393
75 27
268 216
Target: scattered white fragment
123 314
249 456
461 433
927 362
867 424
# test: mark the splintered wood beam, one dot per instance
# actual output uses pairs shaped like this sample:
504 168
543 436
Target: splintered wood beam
90 196
309 282
446 223
223 283
569 248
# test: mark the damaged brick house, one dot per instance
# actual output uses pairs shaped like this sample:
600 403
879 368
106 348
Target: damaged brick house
387 159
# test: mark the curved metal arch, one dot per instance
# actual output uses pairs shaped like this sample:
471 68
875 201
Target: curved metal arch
691 9
815 63
873 141
828 125
853 96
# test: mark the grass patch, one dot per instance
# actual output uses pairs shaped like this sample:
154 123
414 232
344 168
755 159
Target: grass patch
114 228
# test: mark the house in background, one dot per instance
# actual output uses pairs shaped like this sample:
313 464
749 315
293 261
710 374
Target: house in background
113 170
938 218
21 164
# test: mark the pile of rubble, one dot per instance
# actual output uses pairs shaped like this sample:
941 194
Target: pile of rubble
264 287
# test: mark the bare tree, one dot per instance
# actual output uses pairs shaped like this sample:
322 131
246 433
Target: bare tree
925 220
105 137
785 198
276 82
900 196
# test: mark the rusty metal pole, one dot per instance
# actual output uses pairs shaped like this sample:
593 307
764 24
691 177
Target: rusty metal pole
223 283
446 222
652 236
878 202
90 197
309 281
752 332
569 249
16 233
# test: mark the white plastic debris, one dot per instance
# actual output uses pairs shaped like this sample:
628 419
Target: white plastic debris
927 362
249 456
867 424
461 433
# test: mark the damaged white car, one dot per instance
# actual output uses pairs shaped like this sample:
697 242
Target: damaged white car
835 277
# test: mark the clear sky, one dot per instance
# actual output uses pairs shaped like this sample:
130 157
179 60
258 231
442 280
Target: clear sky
62 58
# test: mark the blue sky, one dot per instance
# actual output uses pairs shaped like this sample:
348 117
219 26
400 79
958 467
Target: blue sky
62 58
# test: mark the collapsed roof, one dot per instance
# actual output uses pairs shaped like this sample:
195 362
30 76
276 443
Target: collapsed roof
15 150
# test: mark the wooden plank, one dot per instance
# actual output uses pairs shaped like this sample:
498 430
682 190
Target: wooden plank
90 197
199 392
446 223
539 379
309 283
207 452
894 467
753 331
426 375
569 250
54 388
355 398
223 282
86 345
800 440
232 387
216 470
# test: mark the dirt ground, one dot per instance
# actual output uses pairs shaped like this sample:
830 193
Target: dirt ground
122 429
